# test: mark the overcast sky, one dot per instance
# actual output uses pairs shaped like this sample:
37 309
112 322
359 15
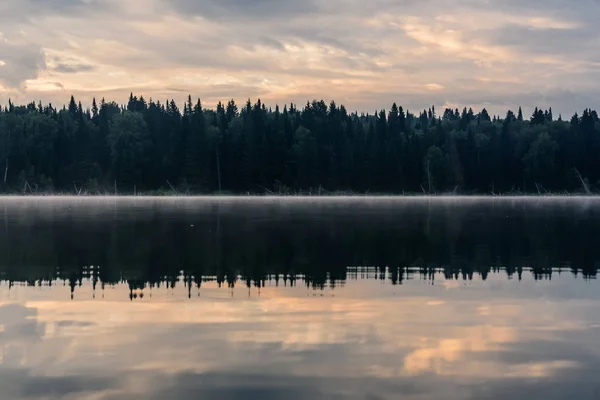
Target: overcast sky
364 54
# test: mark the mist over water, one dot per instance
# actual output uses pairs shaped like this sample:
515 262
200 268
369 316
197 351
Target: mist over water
326 298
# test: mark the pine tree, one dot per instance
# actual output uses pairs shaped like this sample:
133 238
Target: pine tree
72 106
94 109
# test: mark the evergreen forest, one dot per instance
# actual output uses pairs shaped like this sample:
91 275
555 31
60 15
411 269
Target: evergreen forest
147 147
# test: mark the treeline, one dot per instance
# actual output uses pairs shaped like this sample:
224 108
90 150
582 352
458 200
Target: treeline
153 146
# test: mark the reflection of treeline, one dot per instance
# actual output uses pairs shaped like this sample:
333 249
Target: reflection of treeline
252 244
331 279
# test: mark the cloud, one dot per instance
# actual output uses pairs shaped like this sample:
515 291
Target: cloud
272 43
74 68
21 60
434 86
76 324
242 9
546 40
26 10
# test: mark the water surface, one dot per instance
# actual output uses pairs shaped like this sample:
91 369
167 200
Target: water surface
268 298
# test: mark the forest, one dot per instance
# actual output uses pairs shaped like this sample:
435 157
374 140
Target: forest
147 147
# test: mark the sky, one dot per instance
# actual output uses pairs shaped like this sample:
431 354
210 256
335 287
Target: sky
497 54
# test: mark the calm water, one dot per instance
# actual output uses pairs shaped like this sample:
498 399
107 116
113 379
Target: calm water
299 299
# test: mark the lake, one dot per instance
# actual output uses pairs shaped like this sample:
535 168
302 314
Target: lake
297 298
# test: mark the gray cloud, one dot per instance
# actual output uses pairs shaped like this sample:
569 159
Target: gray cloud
582 10
77 324
242 9
24 10
73 68
582 42
272 43
20 61
332 36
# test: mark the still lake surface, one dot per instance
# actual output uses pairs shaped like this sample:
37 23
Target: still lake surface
270 298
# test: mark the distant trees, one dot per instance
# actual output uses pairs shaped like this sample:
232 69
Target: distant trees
540 160
320 148
435 168
130 145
